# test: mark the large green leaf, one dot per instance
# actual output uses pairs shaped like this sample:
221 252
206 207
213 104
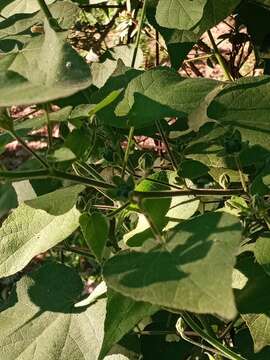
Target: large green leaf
162 92
46 69
245 104
36 226
245 99
65 12
179 14
22 7
122 315
155 208
186 273
40 321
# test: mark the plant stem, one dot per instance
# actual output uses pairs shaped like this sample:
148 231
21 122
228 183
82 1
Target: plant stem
45 9
49 128
167 145
125 162
139 34
118 210
198 58
228 353
77 167
206 325
198 192
23 175
23 143
80 179
51 173
241 173
219 57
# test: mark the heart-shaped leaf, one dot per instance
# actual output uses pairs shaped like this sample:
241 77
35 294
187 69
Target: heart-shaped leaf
186 272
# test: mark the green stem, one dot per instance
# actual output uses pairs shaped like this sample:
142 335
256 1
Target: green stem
51 173
206 325
125 162
77 167
80 179
219 58
228 353
118 210
86 170
199 192
241 173
167 145
138 35
23 175
23 143
45 10
49 127
203 57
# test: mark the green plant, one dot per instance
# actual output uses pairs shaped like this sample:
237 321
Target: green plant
178 239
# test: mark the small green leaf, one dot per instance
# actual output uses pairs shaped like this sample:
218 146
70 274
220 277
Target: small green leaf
95 229
262 252
122 314
155 208
186 273
6 123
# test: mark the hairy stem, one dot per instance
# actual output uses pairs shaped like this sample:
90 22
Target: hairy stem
198 192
